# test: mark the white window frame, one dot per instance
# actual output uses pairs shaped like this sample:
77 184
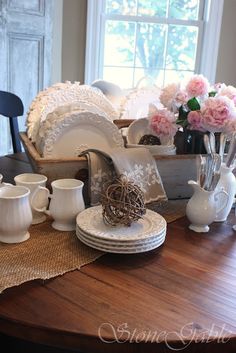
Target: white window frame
205 63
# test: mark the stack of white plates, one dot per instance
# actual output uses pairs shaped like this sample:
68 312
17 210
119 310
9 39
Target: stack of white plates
145 235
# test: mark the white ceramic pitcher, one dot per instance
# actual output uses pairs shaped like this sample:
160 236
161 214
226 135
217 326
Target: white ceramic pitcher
15 214
66 202
202 208
228 183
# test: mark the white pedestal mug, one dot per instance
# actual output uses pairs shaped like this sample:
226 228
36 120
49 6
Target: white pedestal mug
15 215
32 181
66 202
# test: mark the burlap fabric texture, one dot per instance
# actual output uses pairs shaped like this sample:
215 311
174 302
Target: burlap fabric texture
49 253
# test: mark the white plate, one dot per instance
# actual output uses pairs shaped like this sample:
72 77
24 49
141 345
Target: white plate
121 244
62 95
122 250
38 104
78 131
91 222
54 118
136 103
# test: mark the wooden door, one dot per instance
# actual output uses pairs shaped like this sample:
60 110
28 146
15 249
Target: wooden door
25 49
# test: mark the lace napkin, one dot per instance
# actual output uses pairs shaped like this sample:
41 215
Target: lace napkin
136 163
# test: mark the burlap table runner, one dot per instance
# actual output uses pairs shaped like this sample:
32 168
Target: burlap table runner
49 253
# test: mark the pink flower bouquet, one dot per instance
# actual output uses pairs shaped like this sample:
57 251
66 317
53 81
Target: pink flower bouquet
201 107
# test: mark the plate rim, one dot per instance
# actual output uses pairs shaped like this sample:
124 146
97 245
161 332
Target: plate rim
108 128
120 244
122 251
99 209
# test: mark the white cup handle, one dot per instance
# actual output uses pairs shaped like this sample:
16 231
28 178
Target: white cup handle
41 190
6 184
222 191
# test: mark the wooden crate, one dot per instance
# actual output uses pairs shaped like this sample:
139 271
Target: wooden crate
175 170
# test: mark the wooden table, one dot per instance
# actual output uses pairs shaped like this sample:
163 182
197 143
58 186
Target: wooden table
14 164
181 295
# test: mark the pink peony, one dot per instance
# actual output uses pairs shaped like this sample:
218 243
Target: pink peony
197 86
181 97
167 95
230 128
163 124
216 113
195 120
218 86
228 91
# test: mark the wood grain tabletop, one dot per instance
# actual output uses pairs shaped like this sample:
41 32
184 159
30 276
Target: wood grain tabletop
181 296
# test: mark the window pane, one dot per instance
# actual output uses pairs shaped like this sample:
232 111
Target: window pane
136 48
156 78
122 77
150 46
184 9
182 46
121 7
119 43
21 123
172 76
152 8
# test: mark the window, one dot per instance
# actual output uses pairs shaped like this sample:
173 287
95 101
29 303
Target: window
161 41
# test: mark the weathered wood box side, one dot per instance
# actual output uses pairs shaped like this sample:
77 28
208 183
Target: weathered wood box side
175 170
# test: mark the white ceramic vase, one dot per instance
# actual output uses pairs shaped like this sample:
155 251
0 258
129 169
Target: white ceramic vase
227 182
202 208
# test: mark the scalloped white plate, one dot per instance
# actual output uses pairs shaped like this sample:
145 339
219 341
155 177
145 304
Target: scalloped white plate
124 249
58 114
65 94
121 244
90 221
38 105
78 131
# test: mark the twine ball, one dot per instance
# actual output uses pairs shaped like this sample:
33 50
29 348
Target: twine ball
122 202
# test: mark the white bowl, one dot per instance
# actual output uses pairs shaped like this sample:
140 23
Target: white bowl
156 149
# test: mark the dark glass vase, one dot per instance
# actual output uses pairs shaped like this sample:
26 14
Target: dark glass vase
189 142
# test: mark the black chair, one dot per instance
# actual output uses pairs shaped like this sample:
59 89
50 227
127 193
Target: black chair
11 106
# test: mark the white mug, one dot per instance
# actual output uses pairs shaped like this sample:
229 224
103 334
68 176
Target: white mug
15 215
66 202
32 182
